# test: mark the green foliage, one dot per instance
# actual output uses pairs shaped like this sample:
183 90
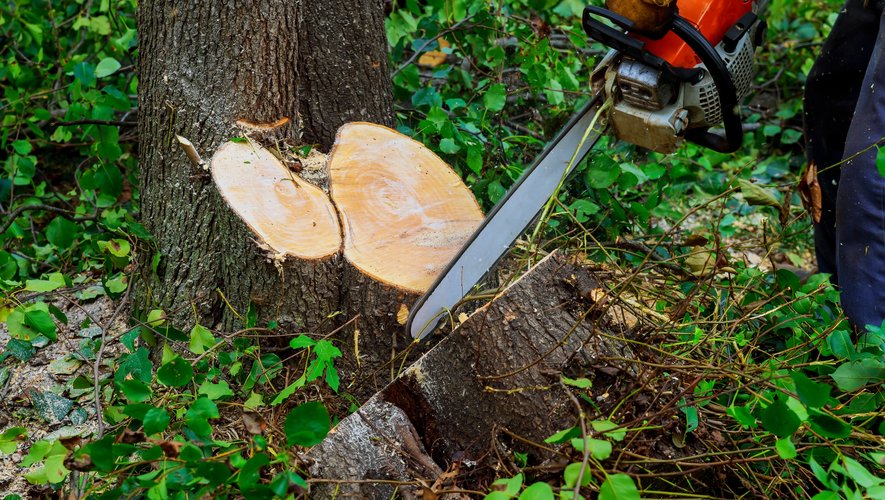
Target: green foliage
790 379
168 424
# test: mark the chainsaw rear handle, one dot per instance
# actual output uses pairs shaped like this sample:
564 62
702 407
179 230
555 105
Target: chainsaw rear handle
728 102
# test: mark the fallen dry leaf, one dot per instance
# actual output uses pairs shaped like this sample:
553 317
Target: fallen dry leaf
809 192
254 423
433 58
171 448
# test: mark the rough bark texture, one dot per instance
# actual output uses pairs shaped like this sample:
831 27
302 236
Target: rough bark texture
342 67
296 293
381 444
500 370
382 337
205 65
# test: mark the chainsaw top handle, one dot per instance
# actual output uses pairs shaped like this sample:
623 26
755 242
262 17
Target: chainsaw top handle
635 48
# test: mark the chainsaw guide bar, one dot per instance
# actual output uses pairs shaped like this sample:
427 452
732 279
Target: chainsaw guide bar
508 219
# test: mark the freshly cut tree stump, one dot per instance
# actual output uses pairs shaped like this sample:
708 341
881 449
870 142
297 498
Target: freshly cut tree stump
403 214
295 228
500 369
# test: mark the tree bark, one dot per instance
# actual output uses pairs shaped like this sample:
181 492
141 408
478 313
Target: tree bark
500 369
205 65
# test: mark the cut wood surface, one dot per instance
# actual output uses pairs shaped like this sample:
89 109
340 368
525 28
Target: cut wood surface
404 212
292 217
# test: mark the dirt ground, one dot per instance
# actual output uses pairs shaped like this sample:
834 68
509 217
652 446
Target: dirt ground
51 394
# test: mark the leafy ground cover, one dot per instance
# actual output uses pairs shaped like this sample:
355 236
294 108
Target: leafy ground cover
744 362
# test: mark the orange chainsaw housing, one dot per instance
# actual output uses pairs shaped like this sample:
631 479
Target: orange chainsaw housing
713 18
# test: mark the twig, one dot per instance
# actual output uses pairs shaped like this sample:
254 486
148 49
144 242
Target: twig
191 152
525 130
420 49
11 216
100 353
582 417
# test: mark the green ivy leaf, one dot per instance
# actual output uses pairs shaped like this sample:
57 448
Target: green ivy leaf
200 339
600 449
106 67
198 416
175 373
10 438
785 448
495 97
288 391
828 426
779 419
250 473
853 375
301 342
449 146
135 390
215 391
307 424
564 435
606 426
813 394
54 281
602 172
581 383
841 344
511 486
571 473
537 491
85 74
53 470
22 146
41 322
155 420
136 364
859 474
254 401
618 487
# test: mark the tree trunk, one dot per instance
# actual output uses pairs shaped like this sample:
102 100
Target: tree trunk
397 214
306 67
498 371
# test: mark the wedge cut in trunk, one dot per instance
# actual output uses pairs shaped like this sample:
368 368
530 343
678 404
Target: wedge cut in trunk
404 211
291 274
404 215
396 217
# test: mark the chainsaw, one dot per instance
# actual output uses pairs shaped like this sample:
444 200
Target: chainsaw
672 74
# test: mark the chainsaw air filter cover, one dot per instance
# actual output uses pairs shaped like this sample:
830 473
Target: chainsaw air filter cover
662 90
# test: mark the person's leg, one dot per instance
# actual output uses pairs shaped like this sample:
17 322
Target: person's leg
860 204
831 94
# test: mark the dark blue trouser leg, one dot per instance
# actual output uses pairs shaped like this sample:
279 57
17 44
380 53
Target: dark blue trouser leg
844 115
860 203
831 92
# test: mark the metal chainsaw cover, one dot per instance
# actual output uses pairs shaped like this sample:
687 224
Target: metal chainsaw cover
666 90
